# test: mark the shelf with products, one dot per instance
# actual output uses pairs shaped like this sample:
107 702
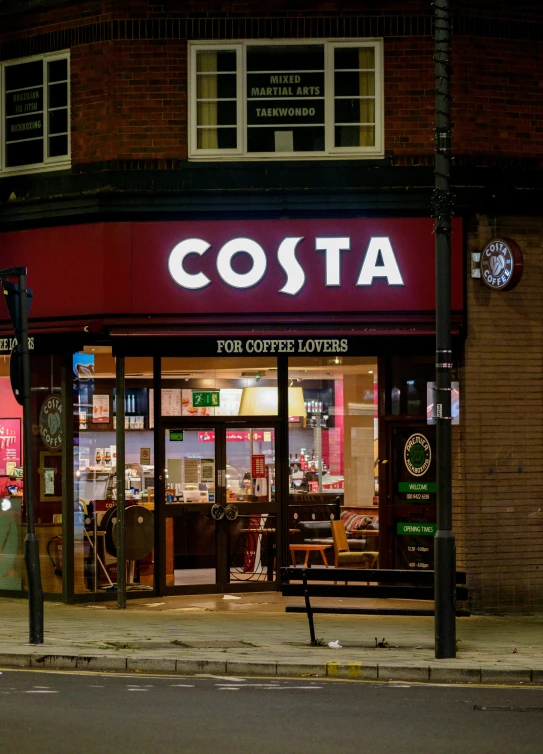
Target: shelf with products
136 407
98 408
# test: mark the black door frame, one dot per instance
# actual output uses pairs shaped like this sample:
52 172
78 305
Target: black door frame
162 512
392 511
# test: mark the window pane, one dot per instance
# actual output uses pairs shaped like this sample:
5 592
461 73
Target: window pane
333 448
57 70
58 95
286 139
24 153
217 138
276 112
354 57
283 58
212 86
26 124
58 121
217 114
355 136
58 146
285 89
354 84
355 111
24 75
409 377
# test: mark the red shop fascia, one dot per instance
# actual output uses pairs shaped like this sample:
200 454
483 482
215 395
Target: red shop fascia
350 277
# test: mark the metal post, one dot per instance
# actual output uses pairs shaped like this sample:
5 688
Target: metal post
120 436
445 547
31 546
281 463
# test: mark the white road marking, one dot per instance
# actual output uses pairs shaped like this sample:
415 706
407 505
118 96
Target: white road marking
181 685
136 689
41 691
229 688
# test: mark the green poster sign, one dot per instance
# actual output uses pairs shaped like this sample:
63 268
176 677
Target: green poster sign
206 398
416 486
418 530
176 435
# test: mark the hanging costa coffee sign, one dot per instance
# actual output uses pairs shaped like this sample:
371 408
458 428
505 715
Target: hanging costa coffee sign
50 422
501 264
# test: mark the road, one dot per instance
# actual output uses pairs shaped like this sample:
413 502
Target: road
64 713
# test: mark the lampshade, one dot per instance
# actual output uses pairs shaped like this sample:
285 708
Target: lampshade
262 401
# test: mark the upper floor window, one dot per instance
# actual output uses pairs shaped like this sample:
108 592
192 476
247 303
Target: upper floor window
284 100
35 113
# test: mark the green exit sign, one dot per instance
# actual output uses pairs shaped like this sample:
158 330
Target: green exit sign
207 398
176 435
417 530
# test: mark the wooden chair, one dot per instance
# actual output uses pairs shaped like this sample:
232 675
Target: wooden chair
343 556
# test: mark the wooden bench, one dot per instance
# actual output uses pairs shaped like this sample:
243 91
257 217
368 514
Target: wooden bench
407 585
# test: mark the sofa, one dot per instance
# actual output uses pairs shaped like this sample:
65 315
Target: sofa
320 532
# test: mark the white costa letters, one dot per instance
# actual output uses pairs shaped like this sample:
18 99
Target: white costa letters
379 249
238 246
177 257
286 256
333 247
389 269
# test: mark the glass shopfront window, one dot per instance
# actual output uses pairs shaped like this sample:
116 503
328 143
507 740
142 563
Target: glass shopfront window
12 574
46 470
203 387
96 472
333 450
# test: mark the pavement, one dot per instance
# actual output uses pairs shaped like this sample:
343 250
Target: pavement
251 634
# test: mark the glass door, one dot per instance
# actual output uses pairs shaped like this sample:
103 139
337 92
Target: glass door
411 495
190 495
220 512
252 504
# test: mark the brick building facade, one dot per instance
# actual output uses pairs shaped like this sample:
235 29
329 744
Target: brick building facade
130 157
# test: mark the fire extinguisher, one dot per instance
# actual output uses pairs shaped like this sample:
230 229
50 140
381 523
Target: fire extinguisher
56 556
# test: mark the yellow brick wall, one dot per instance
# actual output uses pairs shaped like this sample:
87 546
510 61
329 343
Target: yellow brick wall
498 447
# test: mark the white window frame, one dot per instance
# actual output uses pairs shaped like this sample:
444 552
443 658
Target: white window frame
49 163
330 151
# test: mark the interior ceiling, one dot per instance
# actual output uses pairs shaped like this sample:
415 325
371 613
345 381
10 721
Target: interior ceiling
237 368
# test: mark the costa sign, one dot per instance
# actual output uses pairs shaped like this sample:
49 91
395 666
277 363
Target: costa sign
502 264
379 261
311 268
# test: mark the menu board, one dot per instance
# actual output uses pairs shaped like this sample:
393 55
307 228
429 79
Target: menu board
208 470
191 470
171 402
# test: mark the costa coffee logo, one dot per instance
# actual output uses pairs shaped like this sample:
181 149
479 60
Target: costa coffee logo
417 455
379 262
501 264
51 423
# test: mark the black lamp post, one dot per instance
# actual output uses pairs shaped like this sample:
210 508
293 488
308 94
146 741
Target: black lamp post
18 302
445 546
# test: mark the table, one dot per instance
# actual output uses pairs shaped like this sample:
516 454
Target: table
307 549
